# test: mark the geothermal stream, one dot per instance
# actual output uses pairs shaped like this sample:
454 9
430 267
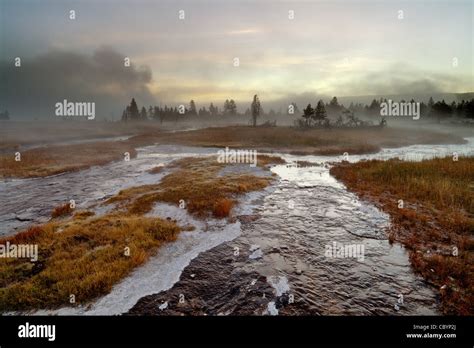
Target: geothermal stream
271 259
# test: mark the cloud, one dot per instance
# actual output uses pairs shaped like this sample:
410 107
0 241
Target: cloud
400 79
32 90
244 31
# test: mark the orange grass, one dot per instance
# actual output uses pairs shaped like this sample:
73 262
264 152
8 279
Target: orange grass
197 183
80 257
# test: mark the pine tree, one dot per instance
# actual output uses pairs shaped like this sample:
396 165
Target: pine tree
469 109
226 107
431 103
334 106
320 113
232 107
133 110
192 108
308 115
430 106
212 110
143 114
374 108
255 110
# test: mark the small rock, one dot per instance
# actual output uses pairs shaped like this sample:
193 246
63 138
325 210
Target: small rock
24 217
193 275
257 254
299 271
163 306
271 309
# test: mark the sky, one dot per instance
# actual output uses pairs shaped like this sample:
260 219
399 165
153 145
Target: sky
342 48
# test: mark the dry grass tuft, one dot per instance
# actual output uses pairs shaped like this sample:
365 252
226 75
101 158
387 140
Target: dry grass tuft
223 207
266 160
83 214
197 182
25 237
61 210
156 170
83 257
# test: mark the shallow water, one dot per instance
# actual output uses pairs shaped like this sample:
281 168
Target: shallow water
283 252
25 202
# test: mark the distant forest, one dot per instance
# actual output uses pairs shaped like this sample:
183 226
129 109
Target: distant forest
332 113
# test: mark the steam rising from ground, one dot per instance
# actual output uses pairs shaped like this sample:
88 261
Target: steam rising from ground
32 90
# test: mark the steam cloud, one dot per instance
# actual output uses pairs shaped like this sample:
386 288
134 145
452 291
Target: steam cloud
31 91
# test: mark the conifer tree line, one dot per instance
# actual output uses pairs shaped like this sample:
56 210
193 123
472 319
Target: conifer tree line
173 113
321 114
